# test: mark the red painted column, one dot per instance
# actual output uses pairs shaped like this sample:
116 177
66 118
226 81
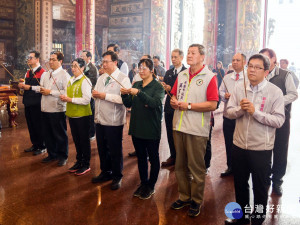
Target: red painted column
85 26
79 25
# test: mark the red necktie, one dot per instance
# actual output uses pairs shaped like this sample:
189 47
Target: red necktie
237 76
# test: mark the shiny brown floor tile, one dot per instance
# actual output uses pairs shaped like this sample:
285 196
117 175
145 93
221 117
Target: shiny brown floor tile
35 193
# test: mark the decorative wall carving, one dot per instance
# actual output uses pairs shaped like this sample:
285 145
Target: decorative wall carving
7 3
158 28
123 21
24 30
118 1
249 17
7 13
101 12
209 34
6 24
127 8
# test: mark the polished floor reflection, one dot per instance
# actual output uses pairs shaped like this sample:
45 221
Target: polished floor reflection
35 193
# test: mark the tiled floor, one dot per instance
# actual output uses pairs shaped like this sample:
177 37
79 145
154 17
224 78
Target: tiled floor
35 193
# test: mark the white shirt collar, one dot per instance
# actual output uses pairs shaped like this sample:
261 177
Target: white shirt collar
178 69
57 70
241 75
258 87
115 75
35 68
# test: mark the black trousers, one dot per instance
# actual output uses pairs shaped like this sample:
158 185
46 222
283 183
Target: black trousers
207 156
109 142
169 128
92 118
33 115
280 152
258 164
55 133
80 132
228 130
145 148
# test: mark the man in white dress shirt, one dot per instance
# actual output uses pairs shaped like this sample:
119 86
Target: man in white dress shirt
110 117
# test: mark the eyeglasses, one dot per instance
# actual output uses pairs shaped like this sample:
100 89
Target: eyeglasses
30 57
255 67
106 61
143 68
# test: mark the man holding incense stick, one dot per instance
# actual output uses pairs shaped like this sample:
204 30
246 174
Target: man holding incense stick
228 84
195 95
169 80
110 117
284 80
257 117
53 84
32 103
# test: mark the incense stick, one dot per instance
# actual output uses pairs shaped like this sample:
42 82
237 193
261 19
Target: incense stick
53 78
34 74
163 86
8 71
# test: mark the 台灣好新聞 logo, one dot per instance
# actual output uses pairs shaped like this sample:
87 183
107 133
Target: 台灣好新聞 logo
233 210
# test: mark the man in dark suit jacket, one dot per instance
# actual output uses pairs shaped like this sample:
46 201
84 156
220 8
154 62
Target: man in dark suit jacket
92 73
169 80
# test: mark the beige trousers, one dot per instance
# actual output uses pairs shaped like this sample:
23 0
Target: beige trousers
190 166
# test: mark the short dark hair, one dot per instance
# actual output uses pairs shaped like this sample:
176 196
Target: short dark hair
201 48
263 58
148 56
59 55
80 62
156 57
271 53
113 55
88 53
285 60
180 52
115 46
148 63
36 53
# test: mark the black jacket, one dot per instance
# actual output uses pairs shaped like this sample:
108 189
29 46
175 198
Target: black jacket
170 78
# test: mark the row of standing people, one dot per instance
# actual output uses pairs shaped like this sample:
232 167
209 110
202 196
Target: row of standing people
189 138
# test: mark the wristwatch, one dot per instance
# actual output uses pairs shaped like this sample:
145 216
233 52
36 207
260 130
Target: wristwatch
189 106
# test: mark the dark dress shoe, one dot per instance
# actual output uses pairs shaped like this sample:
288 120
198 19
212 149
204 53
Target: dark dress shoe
31 149
102 177
226 173
238 222
116 184
39 151
170 162
277 189
132 154
48 159
62 162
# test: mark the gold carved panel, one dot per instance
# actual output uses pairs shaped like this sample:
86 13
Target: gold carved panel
6 33
7 3
124 21
127 8
6 13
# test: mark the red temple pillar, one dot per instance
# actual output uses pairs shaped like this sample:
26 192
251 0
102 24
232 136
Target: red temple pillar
85 26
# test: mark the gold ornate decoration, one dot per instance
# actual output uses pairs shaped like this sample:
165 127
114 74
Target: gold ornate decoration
73 2
13 103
